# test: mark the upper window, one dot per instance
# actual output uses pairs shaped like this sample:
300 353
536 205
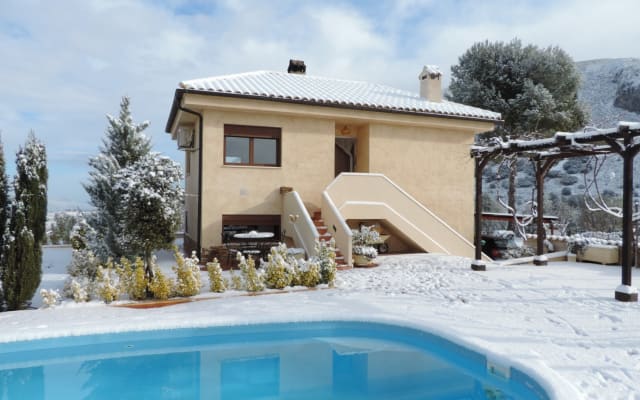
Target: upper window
251 145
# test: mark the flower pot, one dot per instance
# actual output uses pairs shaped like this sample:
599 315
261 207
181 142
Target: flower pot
361 261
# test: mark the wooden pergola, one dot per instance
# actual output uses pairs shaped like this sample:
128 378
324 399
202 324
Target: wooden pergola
545 153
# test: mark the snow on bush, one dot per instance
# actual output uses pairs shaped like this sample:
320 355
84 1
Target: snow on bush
107 284
278 273
216 281
160 286
78 291
310 275
50 297
253 280
132 278
326 260
187 275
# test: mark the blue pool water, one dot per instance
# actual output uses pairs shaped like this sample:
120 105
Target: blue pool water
319 360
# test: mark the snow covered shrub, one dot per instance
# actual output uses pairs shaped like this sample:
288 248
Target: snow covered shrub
235 282
132 278
78 291
160 286
50 297
277 271
310 275
106 282
253 281
216 281
367 251
326 259
187 275
83 264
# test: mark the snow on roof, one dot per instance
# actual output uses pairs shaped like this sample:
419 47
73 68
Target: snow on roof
333 92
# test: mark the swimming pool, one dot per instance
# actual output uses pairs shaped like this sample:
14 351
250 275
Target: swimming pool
313 360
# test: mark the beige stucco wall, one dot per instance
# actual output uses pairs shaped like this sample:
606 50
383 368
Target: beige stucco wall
426 156
307 153
432 165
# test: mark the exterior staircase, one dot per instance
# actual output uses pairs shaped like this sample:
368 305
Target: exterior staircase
325 235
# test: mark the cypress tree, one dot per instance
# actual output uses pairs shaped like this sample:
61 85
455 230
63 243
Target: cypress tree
124 144
4 198
21 261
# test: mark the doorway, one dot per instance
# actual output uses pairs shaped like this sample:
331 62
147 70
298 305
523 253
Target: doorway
345 159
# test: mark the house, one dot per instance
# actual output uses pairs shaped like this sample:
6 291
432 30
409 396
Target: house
266 150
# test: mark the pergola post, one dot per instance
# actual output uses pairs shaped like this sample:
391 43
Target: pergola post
477 264
542 167
626 292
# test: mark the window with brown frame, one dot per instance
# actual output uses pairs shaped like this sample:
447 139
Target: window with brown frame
252 145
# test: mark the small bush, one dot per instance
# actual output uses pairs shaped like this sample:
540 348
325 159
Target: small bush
277 271
160 286
216 281
132 278
107 285
78 291
235 282
310 275
187 275
326 260
568 180
253 281
566 191
50 297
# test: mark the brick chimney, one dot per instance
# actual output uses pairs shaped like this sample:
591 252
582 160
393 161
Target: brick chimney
297 67
431 83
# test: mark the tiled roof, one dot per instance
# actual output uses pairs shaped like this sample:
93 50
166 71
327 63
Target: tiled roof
332 92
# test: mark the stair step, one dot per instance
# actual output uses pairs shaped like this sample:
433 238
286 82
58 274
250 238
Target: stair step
317 214
317 222
322 229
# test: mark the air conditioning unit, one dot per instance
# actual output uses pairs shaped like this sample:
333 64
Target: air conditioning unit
186 137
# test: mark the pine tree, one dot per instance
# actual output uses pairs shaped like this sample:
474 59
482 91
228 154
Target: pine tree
151 190
534 89
122 147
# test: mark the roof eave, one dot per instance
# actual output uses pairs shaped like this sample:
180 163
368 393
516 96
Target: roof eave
177 100
180 92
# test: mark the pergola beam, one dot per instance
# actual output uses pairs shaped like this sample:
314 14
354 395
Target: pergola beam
545 153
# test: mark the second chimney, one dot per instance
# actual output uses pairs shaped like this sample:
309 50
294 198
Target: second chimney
431 83
297 67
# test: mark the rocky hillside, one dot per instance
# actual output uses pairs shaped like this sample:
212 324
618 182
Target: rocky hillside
611 92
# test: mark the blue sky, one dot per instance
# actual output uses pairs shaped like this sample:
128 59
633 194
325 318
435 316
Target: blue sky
65 64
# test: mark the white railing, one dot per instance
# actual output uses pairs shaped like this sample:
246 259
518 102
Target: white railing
374 196
298 224
337 226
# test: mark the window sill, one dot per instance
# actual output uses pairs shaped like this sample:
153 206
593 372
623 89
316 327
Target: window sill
252 166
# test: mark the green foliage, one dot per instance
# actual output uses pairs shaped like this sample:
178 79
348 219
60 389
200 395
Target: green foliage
253 281
61 228
187 275
122 147
216 281
327 261
132 278
160 286
83 264
21 260
534 89
4 204
310 275
31 186
277 271
106 283
235 282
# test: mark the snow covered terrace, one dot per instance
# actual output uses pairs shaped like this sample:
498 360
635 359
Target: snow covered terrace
558 323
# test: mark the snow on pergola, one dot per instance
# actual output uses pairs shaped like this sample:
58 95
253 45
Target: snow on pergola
544 153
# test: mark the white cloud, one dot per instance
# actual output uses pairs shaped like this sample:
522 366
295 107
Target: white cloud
65 67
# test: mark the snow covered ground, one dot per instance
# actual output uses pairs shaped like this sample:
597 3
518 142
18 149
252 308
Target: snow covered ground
559 323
